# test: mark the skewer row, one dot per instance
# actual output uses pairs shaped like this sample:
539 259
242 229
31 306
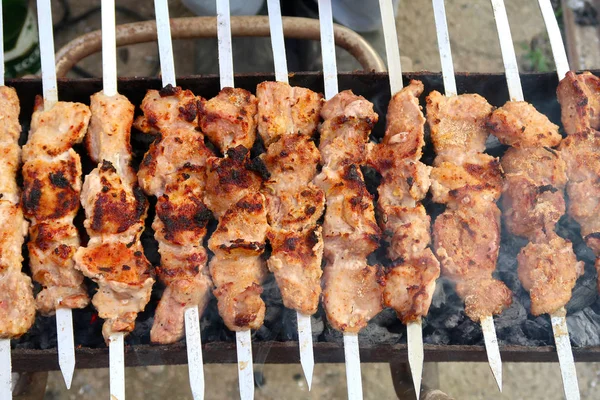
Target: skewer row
246 206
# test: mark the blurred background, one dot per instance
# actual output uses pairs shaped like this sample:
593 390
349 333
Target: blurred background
475 48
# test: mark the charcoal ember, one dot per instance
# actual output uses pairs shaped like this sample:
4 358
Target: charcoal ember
42 335
585 291
289 325
87 328
317 325
467 332
513 316
385 318
376 334
332 335
437 336
539 331
584 328
514 335
143 325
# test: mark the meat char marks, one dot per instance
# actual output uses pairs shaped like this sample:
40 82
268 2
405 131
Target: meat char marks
17 305
115 210
533 203
233 195
287 121
174 170
466 235
50 199
579 98
410 282
352 289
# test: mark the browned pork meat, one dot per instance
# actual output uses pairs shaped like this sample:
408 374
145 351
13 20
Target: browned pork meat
174 170
467 235
579 98
52 184
17 305
115 209
410 283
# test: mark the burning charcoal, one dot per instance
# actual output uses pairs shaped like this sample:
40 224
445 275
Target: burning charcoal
375 334
513 316
514 335
385 318
332 335
438 337
289 326
317 325
539 330
584 328
468 332
585 292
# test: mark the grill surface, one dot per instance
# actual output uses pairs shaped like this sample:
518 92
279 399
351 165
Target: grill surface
36 351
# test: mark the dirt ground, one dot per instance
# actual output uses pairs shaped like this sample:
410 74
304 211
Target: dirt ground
475 48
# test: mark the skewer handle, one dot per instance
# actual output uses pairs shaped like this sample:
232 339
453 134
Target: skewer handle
556 40
328 49
66 345
245 365
165 44
392 50
305 341
353 374
492 349
46 38
443 39
193 342
277 40
116 355
565 355
224 43
109 48
508 51
5 370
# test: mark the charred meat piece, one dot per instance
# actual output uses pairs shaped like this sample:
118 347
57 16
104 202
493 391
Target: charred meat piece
50 199
17 305
229 119
579 98
286 110
520 125
174 170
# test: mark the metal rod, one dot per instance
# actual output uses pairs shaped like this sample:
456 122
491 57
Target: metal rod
245 364
305 343
414 332
5 370
224 43
492 350
109 48
392 49
165 44
46 38
65 343
277 41
328 49
565 355
193 342
556 40
443 38
116 360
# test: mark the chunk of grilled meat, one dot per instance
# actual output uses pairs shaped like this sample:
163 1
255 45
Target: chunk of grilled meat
457 124
287 119
533 196
348 120
520 125
115 209
50 199
467 241
17 305
466 235
231 178
174 170
352 290
229 119
548 270
405 224
286 110
237 268
579 98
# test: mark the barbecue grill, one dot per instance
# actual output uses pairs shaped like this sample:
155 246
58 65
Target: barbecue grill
448 334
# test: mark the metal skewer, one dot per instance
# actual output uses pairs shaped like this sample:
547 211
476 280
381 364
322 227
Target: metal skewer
5 356
64 316
193 339
305 342
414 330
243 338
443 38
116 345
559 321
351 348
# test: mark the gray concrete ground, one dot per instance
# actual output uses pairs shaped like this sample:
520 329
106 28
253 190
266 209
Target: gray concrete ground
475 48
